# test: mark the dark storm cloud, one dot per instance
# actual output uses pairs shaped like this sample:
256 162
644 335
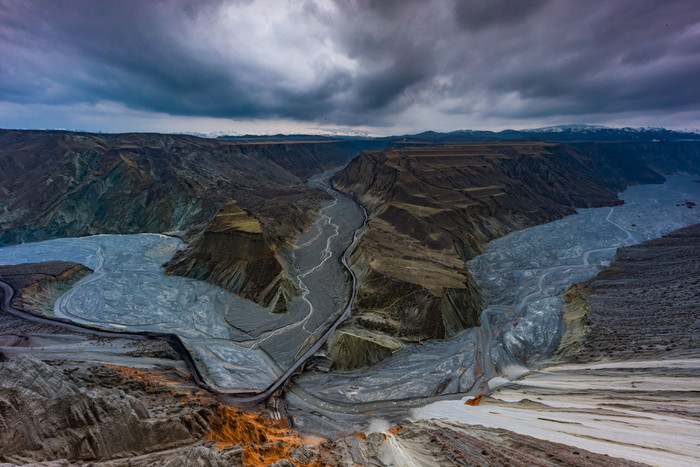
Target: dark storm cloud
357 62
132 52
480 14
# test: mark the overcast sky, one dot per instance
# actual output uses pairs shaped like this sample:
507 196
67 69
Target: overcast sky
389 66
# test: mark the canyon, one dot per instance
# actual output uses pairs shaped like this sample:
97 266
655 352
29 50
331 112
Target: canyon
433 293
434 207
61 184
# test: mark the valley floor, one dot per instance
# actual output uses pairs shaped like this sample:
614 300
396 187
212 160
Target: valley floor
624 384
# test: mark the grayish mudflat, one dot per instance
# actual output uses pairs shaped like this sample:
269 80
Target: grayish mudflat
521 275
238 345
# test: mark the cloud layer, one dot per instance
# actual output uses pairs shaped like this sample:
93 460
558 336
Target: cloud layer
393 63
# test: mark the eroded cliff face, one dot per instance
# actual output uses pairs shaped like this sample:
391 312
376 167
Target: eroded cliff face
644 305
45 415
38 285
234 253
64 184
131 417
433 208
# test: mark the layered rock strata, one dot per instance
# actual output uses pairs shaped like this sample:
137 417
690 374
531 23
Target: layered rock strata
64 184
40 284
234 253
124 416
431 209
646 304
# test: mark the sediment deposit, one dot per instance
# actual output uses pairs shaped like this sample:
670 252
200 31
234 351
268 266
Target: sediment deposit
431 209
624 382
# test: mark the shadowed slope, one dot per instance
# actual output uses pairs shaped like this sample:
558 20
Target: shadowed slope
63 184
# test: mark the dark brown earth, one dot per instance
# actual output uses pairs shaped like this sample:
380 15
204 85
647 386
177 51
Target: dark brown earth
434 207
646 304
40 284
86 413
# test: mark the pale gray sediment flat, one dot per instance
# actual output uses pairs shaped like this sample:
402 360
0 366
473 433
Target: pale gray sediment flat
521 275
238 345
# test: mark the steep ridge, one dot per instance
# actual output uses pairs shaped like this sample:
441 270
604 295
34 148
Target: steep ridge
615 162
304 155
65 184
234 253
645 305
432 208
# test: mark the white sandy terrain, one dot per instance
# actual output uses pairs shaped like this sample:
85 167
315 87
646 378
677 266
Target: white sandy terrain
645 411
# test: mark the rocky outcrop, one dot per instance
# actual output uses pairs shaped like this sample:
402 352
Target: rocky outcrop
40 284
432 208
234 253
354 347
67 412
45 415
644 305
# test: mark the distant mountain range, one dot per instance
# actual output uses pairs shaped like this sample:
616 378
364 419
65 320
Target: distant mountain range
569 133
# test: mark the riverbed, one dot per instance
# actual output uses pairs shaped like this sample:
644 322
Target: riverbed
521 276
237 345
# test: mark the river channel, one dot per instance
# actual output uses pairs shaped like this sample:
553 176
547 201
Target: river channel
238 346
521 276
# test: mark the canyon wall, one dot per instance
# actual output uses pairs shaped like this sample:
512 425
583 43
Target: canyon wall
434 207
64 184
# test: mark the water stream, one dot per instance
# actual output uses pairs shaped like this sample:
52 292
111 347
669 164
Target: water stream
242 347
